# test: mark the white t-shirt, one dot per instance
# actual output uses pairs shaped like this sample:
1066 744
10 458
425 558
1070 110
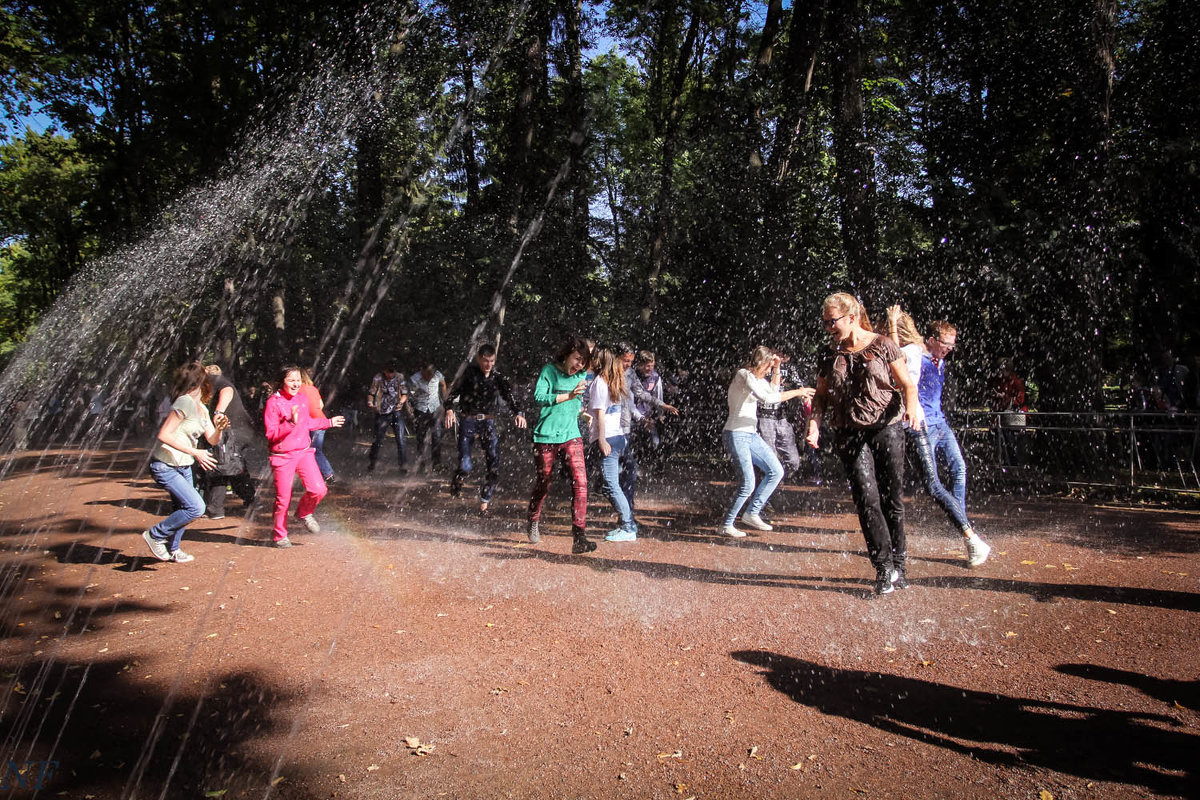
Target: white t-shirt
745 393
601 403
912 360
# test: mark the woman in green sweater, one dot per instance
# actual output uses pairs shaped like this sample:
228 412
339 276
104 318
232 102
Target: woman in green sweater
556 435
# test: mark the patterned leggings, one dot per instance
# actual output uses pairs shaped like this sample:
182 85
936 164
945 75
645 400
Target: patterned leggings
544 456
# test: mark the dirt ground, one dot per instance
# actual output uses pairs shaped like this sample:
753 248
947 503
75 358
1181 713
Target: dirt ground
414 649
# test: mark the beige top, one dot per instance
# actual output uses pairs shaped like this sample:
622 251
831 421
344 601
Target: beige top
195 423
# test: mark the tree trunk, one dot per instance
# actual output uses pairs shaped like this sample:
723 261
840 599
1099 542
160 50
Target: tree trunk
855 181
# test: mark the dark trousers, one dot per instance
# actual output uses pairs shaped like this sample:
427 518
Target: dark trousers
544 456
485 429
429 422
395 421
874 462
216 487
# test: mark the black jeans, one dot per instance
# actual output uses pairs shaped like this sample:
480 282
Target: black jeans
874 462
395 421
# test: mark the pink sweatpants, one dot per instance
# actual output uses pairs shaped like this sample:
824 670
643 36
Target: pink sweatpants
284 467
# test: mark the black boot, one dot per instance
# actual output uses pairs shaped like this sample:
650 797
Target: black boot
581 543
883 580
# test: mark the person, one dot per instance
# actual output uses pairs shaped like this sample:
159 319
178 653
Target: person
427 389
775 427
1008 390
174 453
289 426
316 410
746 448
235 452
646 385
557 437
926 363
629 418
864 389
608 396
477 394
387 397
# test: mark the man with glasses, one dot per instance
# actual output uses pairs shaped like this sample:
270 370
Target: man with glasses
940 340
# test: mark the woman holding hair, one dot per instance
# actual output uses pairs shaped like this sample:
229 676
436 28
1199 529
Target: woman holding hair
557 436
903 332
288 426
864 392
607 397
173 456
747 449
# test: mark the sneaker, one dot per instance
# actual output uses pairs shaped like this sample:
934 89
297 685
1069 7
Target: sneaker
582 545
483 508
899 581
404 470
370 466
331 478
455 486
756 522
215 516
283 543
883 581
180 557
310 522
535 535
157 546
620 535
977 550
729 530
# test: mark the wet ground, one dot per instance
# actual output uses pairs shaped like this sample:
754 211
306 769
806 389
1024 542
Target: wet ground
416 649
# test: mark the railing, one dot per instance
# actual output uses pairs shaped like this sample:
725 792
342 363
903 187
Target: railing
1150 449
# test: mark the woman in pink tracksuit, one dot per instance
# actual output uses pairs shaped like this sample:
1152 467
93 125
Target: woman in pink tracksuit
288 424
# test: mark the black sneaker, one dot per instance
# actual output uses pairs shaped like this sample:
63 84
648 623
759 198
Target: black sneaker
582 545
883 581
370 466
898 579
331 479
455 486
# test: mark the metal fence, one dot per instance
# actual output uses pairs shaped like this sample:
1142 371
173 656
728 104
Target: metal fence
1130 449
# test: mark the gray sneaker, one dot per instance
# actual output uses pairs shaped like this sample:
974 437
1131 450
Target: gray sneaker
157 547
977 551
535 535
311 523
180 557
284 542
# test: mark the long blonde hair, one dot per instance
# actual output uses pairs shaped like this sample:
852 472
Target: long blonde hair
608 368
906 329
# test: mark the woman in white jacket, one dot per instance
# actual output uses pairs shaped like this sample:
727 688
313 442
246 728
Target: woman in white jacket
757 382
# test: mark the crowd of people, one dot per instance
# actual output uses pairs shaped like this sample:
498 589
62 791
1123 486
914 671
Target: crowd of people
597 409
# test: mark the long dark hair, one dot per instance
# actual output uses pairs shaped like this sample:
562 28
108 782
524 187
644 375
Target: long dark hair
573 344
187 378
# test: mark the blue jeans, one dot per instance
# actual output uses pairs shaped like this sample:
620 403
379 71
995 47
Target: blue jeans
610 467
318 442
485 429
178 483
951 504
748 450
395 421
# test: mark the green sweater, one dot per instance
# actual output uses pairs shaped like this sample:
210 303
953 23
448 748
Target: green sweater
559 422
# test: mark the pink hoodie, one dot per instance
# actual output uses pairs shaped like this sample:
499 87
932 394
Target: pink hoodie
284 436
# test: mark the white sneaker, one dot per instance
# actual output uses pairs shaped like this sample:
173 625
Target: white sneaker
311 523
157 547
756 522
977 550
180 557
729 530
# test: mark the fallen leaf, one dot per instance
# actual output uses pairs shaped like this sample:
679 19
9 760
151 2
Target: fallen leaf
1028 562
278 780
216 793
798 765
372 768
342 778
676 754
1109 610
1010 634
1044 795
412 741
